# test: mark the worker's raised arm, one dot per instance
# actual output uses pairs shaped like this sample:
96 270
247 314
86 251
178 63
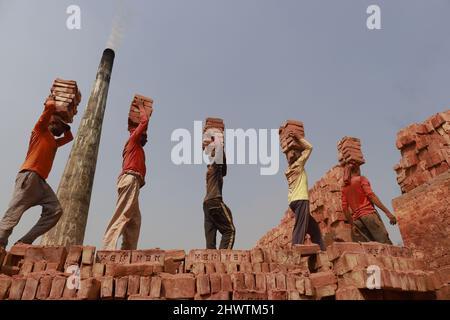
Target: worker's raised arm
44 119
307 150
143 124
68 137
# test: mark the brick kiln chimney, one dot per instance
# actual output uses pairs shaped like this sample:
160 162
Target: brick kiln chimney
74 191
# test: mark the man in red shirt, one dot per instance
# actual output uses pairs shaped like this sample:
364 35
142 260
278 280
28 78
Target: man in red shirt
31 189
127 217
357 196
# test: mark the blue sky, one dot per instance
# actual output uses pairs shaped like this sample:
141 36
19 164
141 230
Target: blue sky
255 63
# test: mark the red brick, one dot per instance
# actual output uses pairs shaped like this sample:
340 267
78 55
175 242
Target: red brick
178 286
277 295
17 287
26 268
133 284
89 289
120 287
280 280
198 268
306 249
44 288
238 281
98 270
74 255
220 267
257 255
86 271
271 281
31 285
350 261
107 288
5 284
215 282
322 279
152 257
221 295
226 283
338 248
58 285
326 291
2 255
40 266
260 282
234 256
202 256
443 293
114 257
349 293
249 295
144 286
171 266
120 270
88 255
53 266
246 267
249 280
444 274
69 293
203 285
309 290
300 285
155 287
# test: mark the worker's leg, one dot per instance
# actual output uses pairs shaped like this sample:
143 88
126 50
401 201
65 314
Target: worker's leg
127 204
226 227
361 234
51 213
314 231
209 225
26 194
376 228
131 232
300 209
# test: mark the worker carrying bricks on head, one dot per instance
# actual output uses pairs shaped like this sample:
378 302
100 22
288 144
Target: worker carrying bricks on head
358 204
298 150
218 216
126 221
31 188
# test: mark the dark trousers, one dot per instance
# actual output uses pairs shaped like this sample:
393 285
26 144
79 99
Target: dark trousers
305 223
218 217
372 228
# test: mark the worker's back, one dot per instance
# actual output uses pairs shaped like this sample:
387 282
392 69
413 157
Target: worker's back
357 196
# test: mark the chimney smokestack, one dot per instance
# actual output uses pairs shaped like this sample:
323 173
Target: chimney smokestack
75 187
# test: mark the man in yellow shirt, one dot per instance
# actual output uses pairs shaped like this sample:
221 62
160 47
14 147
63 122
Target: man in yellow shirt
298 196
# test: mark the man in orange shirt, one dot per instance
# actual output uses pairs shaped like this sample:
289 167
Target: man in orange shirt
127 217
357 196
31 189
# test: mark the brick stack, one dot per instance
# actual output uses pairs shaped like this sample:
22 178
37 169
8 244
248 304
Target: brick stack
67 98
349 151
134 116
425 150
326 208
214 127
299 273
297 129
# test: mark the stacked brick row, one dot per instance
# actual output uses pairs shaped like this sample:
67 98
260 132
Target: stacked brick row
291 127
349 151
67 97
425 150
326 208
213 128
299 273
134 116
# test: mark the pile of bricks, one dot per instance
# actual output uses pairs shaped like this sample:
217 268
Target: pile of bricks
134 116
67 98
300 273
326 208
295 128
213 128
349 151
425 150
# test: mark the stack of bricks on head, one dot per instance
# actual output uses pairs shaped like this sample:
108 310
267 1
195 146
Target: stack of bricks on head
213 128
67 98
302 272
134 116
287 142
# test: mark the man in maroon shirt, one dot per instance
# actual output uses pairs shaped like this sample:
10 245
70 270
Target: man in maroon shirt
127 217
357 196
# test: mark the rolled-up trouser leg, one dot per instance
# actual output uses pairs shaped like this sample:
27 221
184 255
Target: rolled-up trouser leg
376 227
127 206
51 213
300 208
27 194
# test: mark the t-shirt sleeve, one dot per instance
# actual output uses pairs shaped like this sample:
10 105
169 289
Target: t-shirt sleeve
365 184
